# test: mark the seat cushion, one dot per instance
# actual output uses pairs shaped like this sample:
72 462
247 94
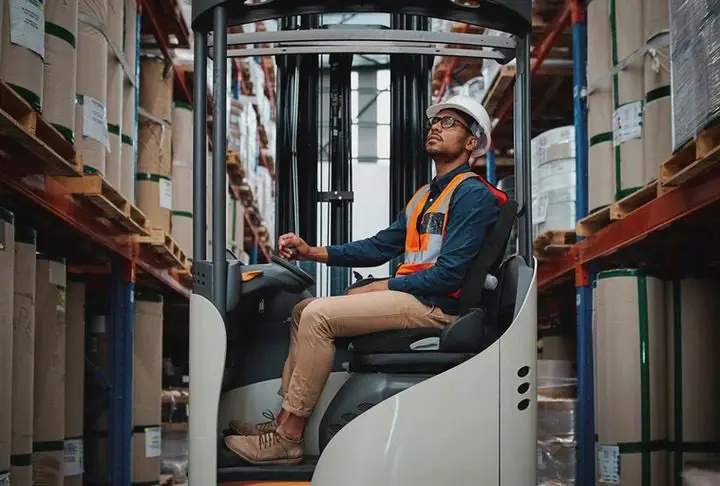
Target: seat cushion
391 341
417 362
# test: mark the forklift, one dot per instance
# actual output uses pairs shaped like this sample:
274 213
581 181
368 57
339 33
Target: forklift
451 406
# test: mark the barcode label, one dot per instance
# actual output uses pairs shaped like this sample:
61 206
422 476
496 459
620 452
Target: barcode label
74 452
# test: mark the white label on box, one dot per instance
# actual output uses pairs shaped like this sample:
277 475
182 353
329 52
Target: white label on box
74 452
5 479
609 464
627 122
56 274
95 120
165 193
153 442
27 25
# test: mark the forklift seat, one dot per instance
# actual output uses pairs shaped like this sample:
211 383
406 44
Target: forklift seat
485 303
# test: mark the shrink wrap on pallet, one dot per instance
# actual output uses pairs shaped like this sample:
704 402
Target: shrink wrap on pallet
627 48
7 266
630 341
693 311
556 441
22 35
695 66
91 130
49 380
60 75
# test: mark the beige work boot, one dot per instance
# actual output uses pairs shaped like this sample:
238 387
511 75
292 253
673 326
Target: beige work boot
269 448
242 428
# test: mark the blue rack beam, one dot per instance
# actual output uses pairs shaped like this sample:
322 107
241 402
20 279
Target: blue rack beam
585 417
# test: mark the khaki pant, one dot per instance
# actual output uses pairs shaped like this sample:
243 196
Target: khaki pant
315 322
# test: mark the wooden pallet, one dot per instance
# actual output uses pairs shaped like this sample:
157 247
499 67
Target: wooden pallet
553 243
164 248
22 124
113 205
235 170
696 158
594 222
631 202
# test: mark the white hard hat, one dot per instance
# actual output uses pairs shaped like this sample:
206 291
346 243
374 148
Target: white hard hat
474 109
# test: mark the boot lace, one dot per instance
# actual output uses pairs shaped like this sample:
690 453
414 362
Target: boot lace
270 425
268 439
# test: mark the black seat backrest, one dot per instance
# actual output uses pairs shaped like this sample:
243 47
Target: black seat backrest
488 260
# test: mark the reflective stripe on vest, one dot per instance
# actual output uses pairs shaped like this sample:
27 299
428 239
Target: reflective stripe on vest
423 248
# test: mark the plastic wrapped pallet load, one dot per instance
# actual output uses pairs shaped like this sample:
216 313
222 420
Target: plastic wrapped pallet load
147 387
630 378
23 364
7 265
601 168
23 48
657 126
91 131
49 380
74 382
693 311
695 65
553 178
60 75
627 47
556 441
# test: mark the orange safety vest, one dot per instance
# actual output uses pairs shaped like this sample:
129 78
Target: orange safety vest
423 248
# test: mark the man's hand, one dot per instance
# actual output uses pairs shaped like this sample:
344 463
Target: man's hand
377 286
291 246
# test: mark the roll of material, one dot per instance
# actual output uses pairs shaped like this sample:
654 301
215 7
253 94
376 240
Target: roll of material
601 168
628 95
74 383
23 48
182 186
129 131
693 311
156 87
154 147
182 230
182 133
147 386
129 45
115 108
49 383
23 356
7 275
91 132
154 198
60 72
630 340
657 136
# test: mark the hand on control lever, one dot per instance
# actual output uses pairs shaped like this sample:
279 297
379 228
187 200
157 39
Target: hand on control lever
292 247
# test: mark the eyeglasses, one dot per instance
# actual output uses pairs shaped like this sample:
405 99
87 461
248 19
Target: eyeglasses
445 122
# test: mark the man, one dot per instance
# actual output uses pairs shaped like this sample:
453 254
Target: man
440 232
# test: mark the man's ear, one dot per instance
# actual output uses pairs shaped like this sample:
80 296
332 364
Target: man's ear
471 144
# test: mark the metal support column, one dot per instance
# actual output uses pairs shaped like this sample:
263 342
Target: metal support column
286 171
340 195
523 174
120 360
219 172
585 424
490 167
200 149
397 127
